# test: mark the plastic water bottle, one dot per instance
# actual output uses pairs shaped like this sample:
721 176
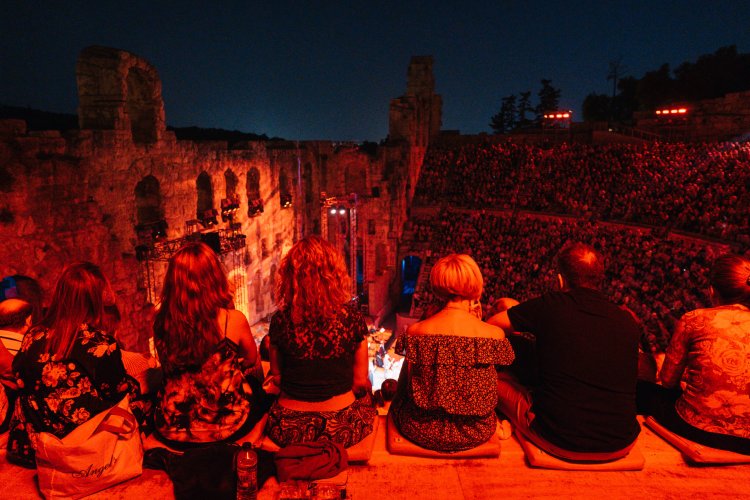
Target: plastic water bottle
247 473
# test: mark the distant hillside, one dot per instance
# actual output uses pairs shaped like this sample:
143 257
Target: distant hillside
44 120
40 120
217 134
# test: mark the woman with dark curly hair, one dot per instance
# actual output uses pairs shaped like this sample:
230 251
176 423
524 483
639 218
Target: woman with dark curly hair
318 351
68 368
207 351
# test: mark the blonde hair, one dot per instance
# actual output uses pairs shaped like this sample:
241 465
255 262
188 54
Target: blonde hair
312 281
456 276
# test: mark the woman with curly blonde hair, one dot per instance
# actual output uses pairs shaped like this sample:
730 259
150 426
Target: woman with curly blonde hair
318 351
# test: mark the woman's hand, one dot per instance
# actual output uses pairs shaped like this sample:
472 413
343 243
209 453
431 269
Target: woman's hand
361 385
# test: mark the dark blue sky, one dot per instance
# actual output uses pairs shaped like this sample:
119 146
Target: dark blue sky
328 69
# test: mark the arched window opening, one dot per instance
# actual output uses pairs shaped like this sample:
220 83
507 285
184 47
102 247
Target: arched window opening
355 179
148 209
252 186
410 266
230 182
285 190
141 106
205 211
308 180
231 202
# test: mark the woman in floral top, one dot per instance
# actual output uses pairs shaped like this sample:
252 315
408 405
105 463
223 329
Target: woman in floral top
447 391
710 353
68 368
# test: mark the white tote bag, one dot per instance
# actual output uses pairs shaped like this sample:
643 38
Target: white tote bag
99 453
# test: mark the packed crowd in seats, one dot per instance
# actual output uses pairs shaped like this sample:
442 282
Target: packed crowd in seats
698 188
658 278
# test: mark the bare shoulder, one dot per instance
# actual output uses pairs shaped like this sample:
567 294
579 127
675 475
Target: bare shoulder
236 316
489 331
237 324
419 328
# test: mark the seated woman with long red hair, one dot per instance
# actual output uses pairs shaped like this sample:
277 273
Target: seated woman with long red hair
68 368
210 361
318 351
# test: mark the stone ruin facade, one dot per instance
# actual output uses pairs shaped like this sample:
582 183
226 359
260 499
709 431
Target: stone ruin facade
723 118
123 192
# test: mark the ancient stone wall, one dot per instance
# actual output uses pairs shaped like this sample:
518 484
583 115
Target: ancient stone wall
74 198
711 119
122 192
416 117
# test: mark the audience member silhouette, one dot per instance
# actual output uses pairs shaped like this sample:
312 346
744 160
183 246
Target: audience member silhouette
447 391
318 351
583 406
710 353
68 368
209 358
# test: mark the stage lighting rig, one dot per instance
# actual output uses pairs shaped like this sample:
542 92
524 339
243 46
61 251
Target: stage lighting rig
229 207
255 207
209 218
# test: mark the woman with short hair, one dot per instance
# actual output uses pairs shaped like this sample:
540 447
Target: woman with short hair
207 352
448 385
318 351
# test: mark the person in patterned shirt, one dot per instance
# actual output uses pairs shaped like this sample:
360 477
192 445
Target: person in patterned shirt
446 395
710 353
68 368
318 351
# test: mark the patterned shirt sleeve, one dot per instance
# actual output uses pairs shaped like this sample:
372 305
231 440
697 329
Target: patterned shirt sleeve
108 371
677 352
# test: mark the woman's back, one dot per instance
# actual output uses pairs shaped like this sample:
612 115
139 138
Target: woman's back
211 401
712 348
64 393
317 357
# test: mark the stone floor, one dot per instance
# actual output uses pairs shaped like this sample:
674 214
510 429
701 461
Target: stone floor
666 475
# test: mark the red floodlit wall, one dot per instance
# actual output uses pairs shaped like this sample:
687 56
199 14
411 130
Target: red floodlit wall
82 194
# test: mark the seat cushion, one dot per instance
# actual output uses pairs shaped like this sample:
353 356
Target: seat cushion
397 444
359 452
694 452
537 457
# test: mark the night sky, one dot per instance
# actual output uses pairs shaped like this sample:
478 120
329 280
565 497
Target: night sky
327 70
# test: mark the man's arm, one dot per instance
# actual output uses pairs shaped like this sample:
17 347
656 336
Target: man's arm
500 317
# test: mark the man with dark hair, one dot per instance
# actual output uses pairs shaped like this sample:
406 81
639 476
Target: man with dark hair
583 404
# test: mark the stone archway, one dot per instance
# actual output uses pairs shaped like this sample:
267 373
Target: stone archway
205 195
148 206
252 188
120 91
230 185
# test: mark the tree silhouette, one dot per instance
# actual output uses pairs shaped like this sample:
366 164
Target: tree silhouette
549 98
524 107
505 119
